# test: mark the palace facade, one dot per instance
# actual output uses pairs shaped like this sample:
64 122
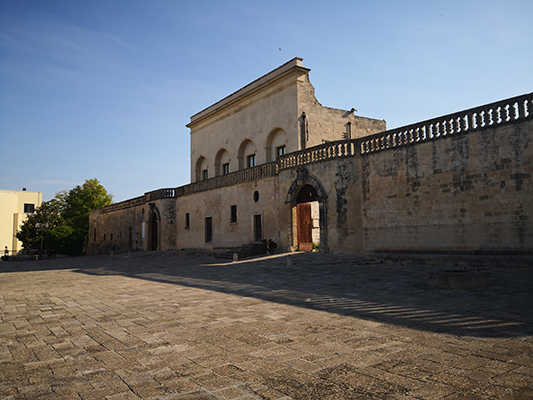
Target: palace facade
269 161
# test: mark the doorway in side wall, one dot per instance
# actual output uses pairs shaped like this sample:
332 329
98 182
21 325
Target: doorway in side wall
258 229
307 218
154 233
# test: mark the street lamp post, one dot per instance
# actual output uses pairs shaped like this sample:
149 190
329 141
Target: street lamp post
41 228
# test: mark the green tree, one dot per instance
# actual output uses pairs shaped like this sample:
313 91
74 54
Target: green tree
79 202
63 222
46 217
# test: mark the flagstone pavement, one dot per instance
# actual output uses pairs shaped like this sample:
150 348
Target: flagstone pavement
160 325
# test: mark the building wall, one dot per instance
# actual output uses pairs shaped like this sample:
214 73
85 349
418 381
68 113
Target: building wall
217 203
12 215
337 184
245 122
464 192
110 231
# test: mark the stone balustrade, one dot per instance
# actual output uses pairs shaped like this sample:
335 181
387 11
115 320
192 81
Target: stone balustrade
484 117
137 201
487 116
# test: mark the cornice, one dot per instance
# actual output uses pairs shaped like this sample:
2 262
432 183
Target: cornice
292 68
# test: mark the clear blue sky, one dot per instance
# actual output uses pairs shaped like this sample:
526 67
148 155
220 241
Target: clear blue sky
103 89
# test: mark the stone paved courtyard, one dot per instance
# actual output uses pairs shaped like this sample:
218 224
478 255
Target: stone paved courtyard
166 326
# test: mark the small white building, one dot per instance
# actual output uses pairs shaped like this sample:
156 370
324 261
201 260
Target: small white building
15 206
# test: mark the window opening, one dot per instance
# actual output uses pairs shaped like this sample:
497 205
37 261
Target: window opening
209 229
29 208
187 221
225 169
205 174
233 217
251 161
281 151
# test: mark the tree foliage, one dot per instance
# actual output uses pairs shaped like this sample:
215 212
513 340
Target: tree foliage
63 222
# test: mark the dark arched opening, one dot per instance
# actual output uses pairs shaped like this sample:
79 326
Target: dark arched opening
154 233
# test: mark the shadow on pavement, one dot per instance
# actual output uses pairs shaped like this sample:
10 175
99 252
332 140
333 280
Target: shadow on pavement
335 283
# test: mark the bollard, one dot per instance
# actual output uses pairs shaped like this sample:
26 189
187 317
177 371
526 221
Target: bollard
235 256
289 261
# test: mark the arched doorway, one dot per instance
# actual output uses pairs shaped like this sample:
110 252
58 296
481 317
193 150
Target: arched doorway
154 230
307 218
308 201
154 225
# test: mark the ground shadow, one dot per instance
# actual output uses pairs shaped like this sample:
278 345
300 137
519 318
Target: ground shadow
336 283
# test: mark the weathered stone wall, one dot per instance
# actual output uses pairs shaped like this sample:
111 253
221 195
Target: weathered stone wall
465 192
130 228
217 204
110 230
337 184
322 124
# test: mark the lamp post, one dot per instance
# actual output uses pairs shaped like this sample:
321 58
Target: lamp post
41 228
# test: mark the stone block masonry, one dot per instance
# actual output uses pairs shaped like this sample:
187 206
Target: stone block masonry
469 193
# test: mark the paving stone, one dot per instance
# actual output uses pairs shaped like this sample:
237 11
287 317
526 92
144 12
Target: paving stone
164 326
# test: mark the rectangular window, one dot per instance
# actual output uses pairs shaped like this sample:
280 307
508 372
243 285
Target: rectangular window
233 218
29 208
251 161
281 151
209 229
94 238
187 221
225 169
205 174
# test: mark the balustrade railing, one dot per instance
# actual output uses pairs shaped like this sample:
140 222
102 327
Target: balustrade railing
137 201
483 117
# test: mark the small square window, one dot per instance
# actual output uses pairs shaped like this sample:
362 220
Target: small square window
225 169
281 151
205 174
251 161
29 208
233 218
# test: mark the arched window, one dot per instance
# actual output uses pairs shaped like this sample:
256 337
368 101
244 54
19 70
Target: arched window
247 154
202 169
276 144
222 163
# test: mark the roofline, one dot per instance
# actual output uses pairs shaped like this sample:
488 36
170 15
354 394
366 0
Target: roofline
289 67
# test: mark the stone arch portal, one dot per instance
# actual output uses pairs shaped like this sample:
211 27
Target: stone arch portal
308 201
